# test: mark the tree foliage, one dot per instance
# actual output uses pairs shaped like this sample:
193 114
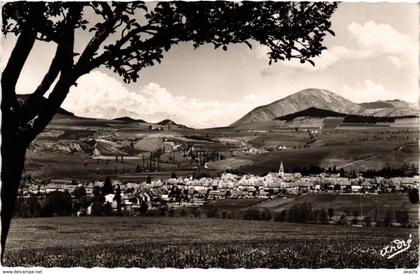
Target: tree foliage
300 213
107 187
57 203
27 208
260 214
330 212
402 216
129 36
323 217
413 195
79 192
388 218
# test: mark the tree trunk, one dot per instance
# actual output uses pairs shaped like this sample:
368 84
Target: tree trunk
12 162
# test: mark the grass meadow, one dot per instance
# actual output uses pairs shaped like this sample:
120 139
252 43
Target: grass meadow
200 243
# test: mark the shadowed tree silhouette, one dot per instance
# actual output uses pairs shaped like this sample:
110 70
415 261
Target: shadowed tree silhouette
107 187
413 195
127 37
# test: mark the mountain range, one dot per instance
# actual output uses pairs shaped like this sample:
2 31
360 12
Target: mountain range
320 99
326 100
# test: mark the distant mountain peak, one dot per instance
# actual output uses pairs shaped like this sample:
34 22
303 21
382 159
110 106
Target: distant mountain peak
326 100
167 122
316 90
304 99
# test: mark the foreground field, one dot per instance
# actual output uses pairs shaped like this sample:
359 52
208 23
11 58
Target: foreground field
200 242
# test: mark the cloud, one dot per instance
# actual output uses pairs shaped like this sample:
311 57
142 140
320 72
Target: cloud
372 40
327 58
102 96
382 38
369 91
397 62
331 56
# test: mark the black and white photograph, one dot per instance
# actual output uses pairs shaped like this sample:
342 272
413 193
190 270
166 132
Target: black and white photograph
209 135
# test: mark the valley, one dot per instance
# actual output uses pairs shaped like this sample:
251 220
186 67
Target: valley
79 148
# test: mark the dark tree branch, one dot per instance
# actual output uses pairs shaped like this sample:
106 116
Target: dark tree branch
66 80
14 67
49 77
32 104
101 34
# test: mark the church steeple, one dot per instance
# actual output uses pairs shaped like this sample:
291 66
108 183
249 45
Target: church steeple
281 170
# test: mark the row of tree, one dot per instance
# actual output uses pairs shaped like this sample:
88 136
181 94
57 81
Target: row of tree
305 213
61 203
55 204
386 172
389 172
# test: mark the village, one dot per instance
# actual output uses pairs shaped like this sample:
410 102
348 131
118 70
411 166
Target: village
182 192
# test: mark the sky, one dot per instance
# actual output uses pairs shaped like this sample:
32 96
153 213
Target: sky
373 56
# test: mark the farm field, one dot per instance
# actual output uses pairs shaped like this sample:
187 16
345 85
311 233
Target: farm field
366 205
56 165
359 156
200 242
326 151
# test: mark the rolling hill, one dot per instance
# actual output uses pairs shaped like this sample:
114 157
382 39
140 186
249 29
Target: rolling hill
167 122
61 111
326 100
389 108
129 119
311 112
348 118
